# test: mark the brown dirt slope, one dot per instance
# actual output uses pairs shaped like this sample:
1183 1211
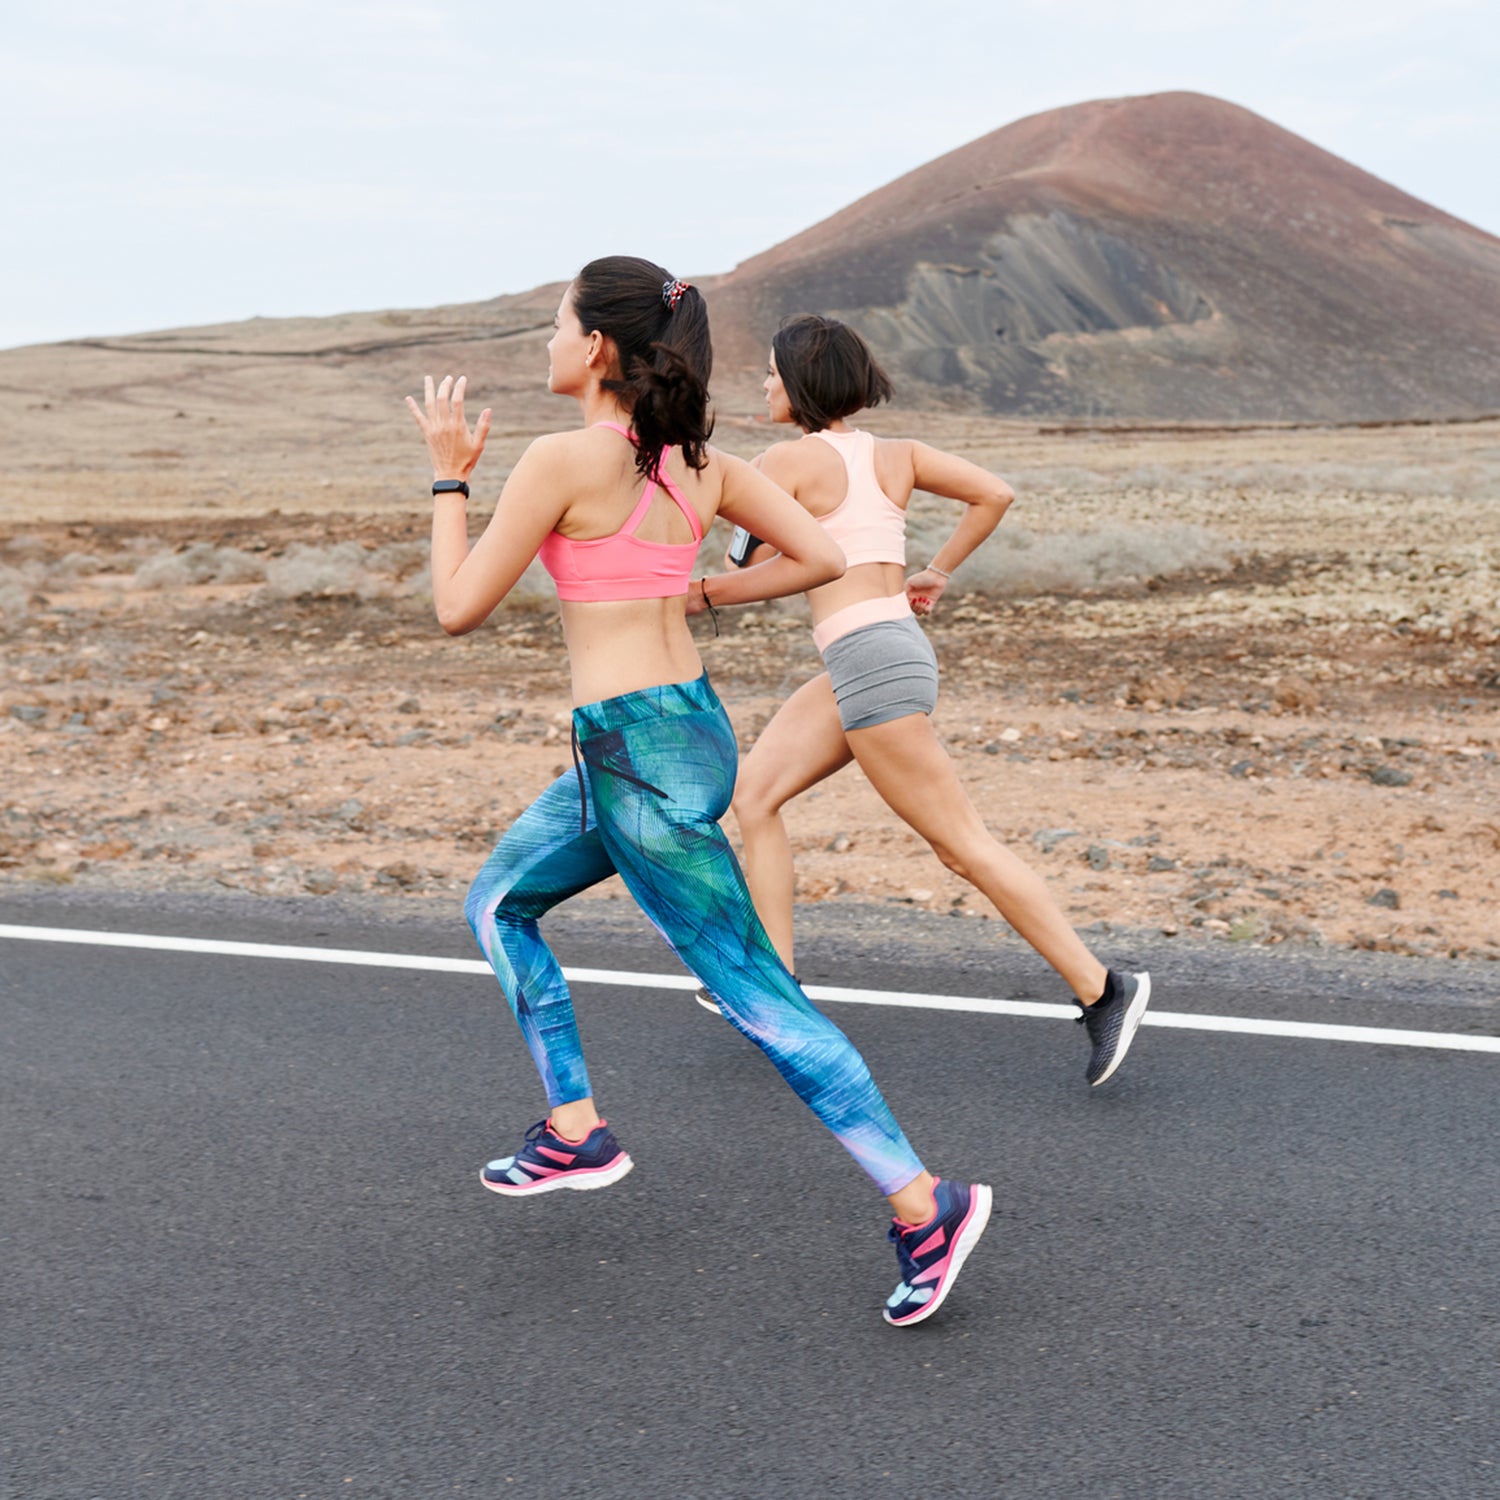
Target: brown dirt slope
1169 256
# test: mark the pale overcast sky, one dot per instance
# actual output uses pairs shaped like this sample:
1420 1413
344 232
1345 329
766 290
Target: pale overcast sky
167 163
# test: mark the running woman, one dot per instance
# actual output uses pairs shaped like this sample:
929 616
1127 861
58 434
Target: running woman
873 704
616 509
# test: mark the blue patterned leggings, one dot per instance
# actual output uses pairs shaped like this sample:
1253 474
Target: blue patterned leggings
660 766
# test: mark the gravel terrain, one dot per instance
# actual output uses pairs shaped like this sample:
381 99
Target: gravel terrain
1238 686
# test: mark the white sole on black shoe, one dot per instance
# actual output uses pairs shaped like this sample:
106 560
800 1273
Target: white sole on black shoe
1129 1026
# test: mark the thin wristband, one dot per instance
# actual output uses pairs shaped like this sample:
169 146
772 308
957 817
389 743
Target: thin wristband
708 604
450 487
941 572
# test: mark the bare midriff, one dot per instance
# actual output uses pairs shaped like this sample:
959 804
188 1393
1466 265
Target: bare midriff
620 646
863 581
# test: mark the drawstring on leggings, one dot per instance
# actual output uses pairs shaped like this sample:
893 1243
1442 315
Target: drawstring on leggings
579 756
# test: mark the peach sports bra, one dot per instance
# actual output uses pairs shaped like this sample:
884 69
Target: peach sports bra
867 523
624 566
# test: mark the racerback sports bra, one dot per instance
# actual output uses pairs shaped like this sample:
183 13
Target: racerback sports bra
624 566
867 524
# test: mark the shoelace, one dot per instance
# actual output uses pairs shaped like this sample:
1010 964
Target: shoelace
904 1258
1094 1012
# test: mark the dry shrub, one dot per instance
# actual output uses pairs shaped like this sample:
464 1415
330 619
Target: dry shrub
1476 477
399 560
75 565
1294 695
1156 690
15 592
1017 561
340 569
201 562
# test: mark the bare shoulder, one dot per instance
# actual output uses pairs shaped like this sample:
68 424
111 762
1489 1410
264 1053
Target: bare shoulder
578 459
718 466
897 450
802 459
557 450
896 465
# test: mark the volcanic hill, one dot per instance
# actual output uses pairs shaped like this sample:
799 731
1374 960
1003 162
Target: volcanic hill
1151 259
1169 256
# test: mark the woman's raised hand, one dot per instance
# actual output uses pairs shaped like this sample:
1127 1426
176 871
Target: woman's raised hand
454 449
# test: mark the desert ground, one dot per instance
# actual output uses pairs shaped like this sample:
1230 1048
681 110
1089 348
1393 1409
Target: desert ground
1235 685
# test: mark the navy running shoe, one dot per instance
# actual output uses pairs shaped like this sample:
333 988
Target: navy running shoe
1111 1022
932 1254
547 1161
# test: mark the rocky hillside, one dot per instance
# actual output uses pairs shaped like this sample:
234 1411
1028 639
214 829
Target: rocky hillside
1172 256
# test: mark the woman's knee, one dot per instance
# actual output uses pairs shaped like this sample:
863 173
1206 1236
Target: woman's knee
475 901
754 801
489 902
965 857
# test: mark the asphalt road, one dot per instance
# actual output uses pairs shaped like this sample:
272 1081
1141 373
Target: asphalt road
245 1252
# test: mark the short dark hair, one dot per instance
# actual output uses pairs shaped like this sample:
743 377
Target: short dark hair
827 369
666 355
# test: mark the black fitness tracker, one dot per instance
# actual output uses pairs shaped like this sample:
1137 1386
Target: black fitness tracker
451 487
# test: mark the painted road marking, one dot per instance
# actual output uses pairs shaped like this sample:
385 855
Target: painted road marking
1380 1036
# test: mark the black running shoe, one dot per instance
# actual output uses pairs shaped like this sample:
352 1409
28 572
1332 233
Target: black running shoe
1112 1022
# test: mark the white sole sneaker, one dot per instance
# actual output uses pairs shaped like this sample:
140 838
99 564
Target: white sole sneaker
1128 1026
580 1182
974 1226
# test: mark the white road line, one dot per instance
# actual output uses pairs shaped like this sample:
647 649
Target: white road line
1246 1026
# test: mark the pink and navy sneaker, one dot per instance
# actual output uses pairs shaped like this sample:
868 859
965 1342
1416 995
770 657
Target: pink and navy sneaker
547 1161
932 1254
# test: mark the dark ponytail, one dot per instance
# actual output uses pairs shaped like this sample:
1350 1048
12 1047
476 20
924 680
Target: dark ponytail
660 327
827 369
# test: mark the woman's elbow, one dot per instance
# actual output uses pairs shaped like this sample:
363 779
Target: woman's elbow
999 500
453 620
830 563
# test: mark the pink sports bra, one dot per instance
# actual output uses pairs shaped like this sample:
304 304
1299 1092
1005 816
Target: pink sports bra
867 524
624 566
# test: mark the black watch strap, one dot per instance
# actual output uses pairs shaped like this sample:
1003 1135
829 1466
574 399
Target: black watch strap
451 487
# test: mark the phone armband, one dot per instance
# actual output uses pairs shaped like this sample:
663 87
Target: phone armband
741 545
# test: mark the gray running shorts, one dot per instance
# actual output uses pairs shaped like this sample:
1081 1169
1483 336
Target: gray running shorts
882 672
